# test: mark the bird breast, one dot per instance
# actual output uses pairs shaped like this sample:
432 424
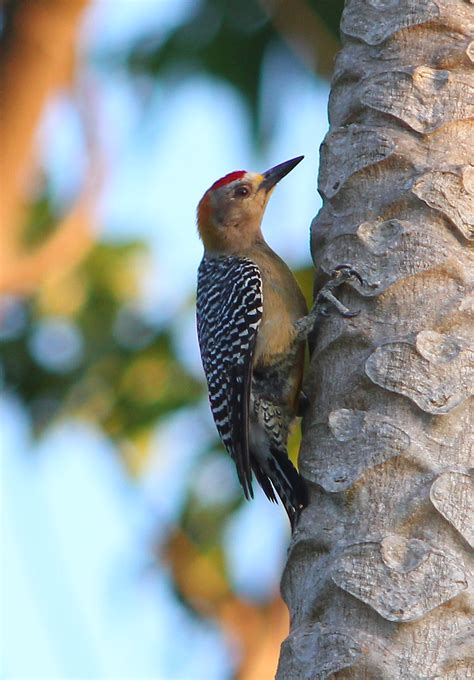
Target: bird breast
283 304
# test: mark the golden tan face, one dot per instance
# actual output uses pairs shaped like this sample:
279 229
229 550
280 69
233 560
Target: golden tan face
230 212
240 202
230 215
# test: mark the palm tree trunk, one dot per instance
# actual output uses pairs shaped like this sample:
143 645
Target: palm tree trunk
377 580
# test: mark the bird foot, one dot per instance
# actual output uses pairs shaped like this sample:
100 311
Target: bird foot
325 299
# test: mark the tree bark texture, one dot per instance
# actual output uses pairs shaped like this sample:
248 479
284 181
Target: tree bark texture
379 574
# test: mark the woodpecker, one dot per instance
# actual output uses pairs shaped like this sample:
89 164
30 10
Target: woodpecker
252 323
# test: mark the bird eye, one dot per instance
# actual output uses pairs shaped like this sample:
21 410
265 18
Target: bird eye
242 192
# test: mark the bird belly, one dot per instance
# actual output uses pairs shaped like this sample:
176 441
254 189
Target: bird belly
269 424
279 383
276 330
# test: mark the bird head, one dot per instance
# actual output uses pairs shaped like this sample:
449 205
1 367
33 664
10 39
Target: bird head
230 213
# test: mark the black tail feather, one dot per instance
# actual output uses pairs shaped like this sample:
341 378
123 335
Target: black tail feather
298 485
286 481
263 480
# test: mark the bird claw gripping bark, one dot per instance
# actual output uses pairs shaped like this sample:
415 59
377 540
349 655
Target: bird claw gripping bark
326 299
343 273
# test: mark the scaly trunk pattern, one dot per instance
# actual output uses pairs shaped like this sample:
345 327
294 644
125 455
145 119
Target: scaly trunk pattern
380 568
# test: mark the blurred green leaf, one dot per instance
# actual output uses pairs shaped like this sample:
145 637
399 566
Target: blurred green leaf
225 40
40 222
123 381
228 41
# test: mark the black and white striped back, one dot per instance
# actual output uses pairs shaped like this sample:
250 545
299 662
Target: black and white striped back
229 311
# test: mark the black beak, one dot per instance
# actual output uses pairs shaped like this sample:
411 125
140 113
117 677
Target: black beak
274 175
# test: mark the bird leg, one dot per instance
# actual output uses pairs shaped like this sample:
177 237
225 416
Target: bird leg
326 299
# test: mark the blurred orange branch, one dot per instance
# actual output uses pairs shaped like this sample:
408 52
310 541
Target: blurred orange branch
257 629
37 58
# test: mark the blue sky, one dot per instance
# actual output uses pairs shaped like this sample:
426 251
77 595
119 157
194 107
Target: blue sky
79 598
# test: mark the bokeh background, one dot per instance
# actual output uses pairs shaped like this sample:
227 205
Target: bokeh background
126 548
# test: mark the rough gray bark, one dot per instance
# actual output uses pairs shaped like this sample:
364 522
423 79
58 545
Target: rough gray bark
379 575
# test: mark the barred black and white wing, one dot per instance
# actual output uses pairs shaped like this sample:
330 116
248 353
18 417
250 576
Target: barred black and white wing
229 311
